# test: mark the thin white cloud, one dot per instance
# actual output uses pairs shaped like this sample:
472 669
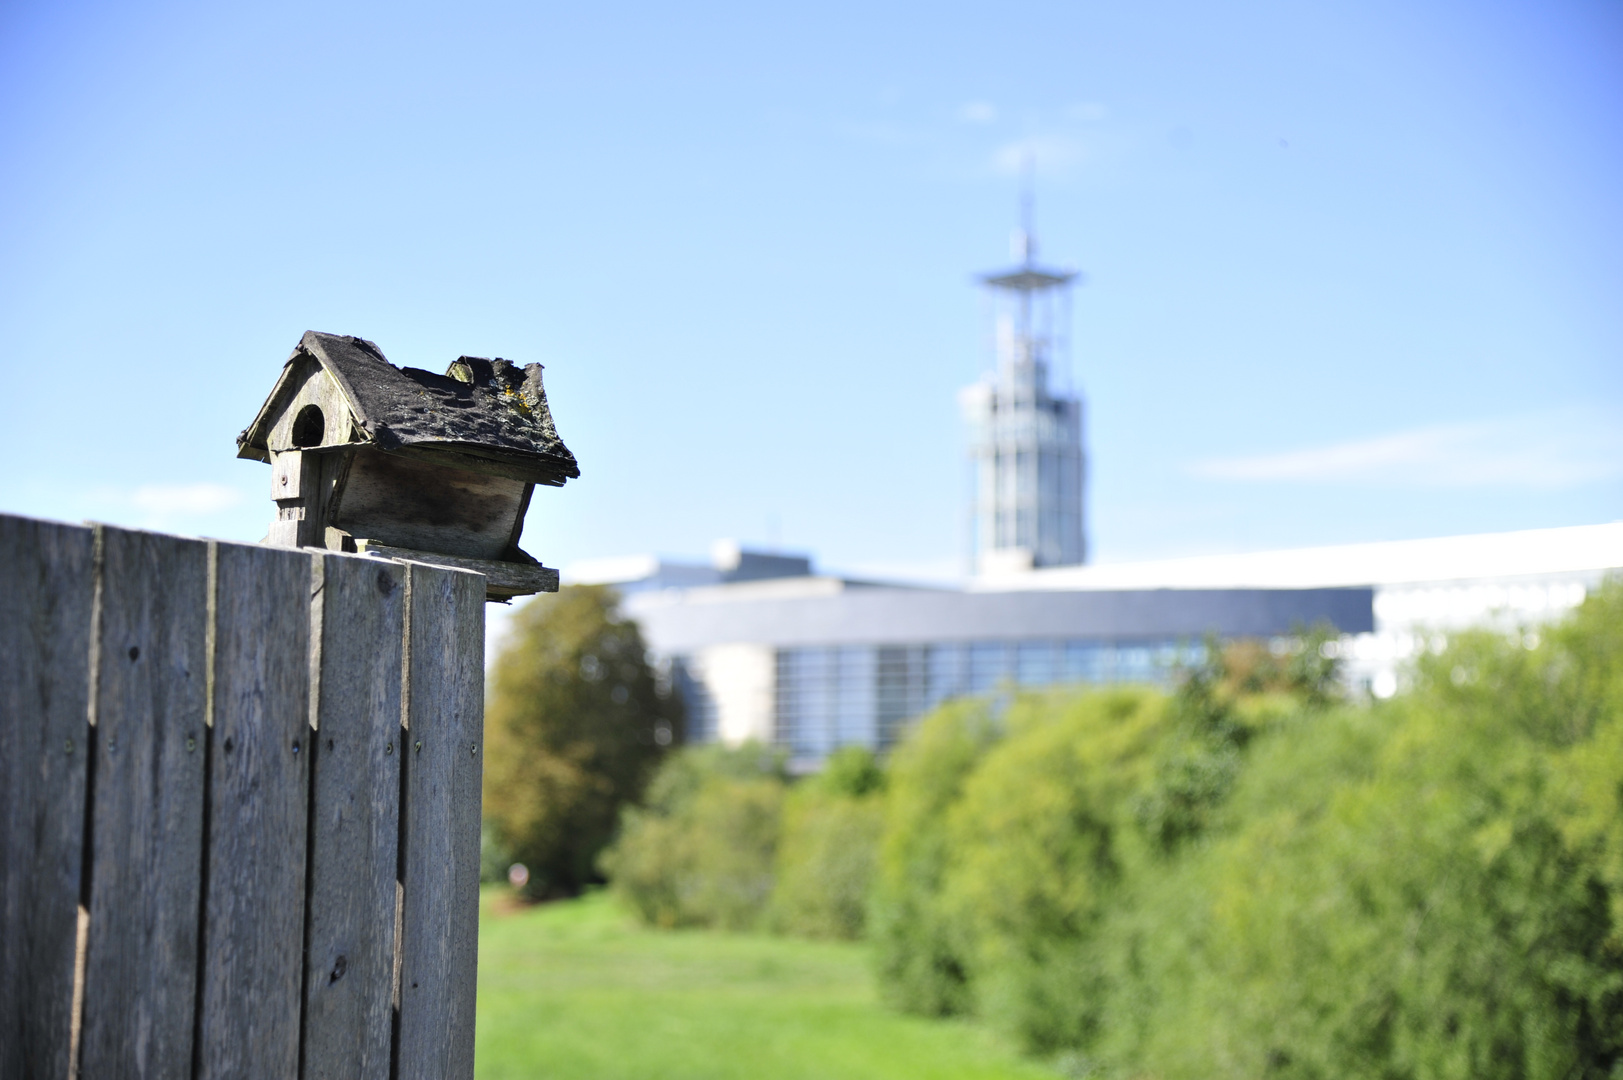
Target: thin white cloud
1054 155
1087 111
188 508
185 499
978 112
1560 449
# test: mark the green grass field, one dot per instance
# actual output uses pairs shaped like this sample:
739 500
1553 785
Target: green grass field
579 990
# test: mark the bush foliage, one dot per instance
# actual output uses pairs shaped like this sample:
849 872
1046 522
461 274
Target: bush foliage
1249 878
725 840
920 962
828 848
701 850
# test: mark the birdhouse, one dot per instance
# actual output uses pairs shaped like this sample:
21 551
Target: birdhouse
403 463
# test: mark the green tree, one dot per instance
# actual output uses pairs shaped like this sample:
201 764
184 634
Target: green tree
575 724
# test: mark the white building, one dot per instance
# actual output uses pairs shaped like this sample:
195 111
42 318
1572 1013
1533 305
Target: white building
1422 589
812 662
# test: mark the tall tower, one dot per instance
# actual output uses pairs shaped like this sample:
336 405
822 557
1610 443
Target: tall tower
1025 438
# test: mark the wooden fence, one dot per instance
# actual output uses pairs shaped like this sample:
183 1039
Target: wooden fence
239 809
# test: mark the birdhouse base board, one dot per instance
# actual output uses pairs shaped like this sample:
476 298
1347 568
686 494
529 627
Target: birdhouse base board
503 580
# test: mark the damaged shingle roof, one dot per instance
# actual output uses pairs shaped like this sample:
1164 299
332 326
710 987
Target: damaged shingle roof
489 410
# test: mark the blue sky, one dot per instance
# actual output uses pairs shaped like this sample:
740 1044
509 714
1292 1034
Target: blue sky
1353 269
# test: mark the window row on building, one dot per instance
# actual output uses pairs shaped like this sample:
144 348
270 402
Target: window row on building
824 697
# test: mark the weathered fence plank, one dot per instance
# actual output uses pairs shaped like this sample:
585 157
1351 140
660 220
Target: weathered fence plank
253 924
147 806
45 610
250 816
445 717
354 827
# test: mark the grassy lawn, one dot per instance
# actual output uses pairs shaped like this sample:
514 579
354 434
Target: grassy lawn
579 990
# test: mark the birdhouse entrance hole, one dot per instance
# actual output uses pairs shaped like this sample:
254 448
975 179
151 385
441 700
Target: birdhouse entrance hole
309 427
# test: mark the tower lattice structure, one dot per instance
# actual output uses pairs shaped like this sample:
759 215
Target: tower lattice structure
1025 443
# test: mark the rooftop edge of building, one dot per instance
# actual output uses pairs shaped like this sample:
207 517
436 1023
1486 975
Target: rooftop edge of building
1526 552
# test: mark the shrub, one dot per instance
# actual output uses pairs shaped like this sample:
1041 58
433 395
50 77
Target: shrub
1036 856
1250 878
700 852
829 848
1440 902
922 968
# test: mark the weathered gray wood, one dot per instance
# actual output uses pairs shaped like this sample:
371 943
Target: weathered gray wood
287 475
147 806
253 924
354 827
444 764
503 580
45 612
416 504
301 485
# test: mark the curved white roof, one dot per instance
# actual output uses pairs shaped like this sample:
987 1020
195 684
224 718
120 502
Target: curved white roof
1448 558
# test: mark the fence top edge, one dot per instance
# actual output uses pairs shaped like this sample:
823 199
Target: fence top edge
53 522
91 525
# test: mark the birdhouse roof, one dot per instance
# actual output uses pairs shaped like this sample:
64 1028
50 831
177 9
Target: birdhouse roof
488 416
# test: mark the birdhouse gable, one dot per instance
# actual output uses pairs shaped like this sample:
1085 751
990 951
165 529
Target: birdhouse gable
306 410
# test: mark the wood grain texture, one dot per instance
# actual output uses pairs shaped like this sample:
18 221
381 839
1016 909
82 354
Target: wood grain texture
445 717
354 825
415 504
253 921
503 580
46 587
147 806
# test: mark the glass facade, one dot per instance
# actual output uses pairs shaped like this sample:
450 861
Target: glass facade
826 697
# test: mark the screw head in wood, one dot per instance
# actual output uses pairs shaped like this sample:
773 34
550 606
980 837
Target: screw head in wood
191 744
419 746
69 747
389 749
